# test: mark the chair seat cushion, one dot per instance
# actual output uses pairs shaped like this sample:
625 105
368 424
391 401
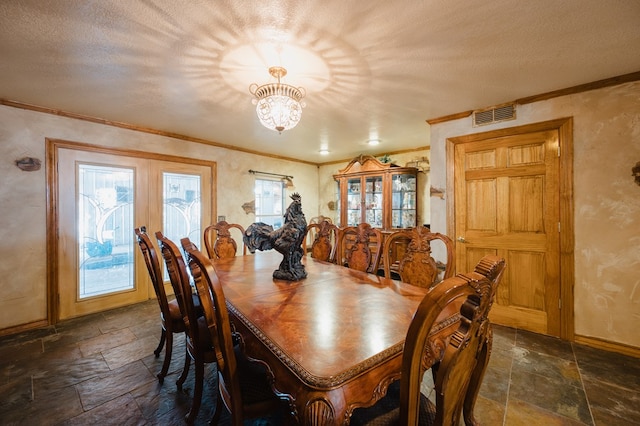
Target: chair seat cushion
387 410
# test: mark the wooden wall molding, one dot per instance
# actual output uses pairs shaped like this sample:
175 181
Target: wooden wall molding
607 82
66 114
608 346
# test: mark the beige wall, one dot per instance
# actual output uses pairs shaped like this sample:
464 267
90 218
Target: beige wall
607 202
327 186
23 198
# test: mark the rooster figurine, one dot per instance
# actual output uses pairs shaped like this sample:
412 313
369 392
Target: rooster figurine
286 240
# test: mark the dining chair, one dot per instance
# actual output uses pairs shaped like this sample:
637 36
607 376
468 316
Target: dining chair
324 240
170 317
198 341
457 360
360 247
218 240
416 265
245 387
311 232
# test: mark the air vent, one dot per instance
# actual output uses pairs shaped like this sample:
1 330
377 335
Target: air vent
494 115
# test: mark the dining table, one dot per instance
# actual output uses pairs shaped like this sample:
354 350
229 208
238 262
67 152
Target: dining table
332 341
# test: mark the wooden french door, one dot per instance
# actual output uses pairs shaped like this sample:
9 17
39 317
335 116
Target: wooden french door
507 202
101 198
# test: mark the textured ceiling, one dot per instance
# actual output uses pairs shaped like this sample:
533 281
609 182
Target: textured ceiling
371 69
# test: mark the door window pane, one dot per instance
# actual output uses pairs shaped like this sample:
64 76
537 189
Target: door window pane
105 221
182 210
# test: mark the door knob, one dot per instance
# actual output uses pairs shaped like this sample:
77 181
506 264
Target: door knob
462 240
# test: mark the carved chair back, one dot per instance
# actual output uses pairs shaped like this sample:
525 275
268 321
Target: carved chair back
417 266
324 242
457 359
178 277
218 240
236 375
310 236
170 315
360 247
153 267
199 345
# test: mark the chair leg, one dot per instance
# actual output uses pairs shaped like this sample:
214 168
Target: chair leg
167 358
476 379
185 370
197 392
218 411
161 344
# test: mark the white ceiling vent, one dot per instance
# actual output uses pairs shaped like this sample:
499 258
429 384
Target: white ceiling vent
494 115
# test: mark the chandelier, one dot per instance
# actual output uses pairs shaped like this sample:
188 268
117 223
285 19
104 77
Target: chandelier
278 105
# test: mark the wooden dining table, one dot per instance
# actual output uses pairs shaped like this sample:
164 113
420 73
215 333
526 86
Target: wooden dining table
332 341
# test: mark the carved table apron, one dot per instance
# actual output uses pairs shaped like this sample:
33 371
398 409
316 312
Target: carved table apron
333 341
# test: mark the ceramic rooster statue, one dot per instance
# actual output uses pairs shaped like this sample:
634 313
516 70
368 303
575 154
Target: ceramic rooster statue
286 240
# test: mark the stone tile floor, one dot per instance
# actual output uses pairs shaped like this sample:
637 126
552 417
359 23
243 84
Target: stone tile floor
101 369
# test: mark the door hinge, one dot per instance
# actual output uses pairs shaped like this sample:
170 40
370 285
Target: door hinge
558 227
559 303
558 150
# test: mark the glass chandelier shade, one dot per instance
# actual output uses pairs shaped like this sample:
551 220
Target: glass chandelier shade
278 105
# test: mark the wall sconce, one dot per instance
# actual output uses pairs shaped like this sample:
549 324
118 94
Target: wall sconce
436 192
28 164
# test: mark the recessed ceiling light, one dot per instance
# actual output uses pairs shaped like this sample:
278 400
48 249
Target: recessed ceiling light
324 152
373 141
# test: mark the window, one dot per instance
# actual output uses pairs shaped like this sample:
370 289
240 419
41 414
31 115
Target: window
269 201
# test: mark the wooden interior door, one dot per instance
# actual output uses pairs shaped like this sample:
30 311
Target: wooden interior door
507 203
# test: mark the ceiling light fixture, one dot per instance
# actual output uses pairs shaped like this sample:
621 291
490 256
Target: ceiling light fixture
373 141
278 105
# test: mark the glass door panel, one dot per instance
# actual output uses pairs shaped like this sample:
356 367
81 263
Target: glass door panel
354 202
374 201
105 215
181 206
403 201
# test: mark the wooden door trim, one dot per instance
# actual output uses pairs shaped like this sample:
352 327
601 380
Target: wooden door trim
564 127
52 148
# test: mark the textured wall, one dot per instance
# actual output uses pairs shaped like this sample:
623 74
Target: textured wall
607 202
23 198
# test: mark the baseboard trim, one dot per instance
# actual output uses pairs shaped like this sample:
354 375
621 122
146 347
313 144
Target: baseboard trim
23 327
608 346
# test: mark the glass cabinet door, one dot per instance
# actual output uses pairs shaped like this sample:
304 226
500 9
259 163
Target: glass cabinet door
354 202
373 201
403 202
